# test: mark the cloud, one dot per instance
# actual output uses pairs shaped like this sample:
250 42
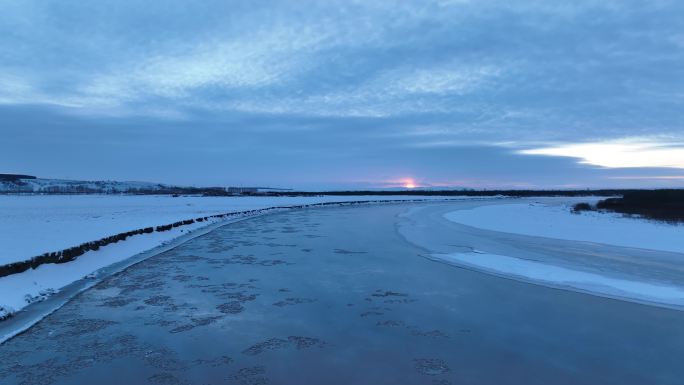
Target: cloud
399 91
445 79
260 60
315 78
623 153
15 89
649 177
503 69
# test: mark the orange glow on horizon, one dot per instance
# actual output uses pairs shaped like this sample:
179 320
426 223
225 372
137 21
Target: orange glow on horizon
409 183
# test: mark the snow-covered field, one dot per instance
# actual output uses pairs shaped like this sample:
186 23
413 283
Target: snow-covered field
35 224
556 221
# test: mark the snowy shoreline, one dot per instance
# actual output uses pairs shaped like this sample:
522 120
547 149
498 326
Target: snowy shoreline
649 293
541 242
39 284
28 316
557 221
31 225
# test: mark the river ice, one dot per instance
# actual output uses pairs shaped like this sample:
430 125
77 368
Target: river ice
336 296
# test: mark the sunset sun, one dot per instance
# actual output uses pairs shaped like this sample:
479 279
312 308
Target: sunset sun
409 184
330 191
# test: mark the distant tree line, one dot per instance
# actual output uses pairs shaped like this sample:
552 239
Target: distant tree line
14 177
469 192
102 187
663 205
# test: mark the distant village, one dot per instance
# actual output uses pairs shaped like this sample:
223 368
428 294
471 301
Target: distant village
29 184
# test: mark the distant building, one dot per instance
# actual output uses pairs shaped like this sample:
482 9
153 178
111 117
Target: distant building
253 190
242 190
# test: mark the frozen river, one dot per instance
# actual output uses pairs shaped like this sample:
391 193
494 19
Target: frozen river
339 296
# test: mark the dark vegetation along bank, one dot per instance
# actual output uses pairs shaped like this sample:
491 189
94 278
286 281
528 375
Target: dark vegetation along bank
660 205
14 177
72 253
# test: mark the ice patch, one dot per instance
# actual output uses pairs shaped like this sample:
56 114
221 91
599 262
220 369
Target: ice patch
555 276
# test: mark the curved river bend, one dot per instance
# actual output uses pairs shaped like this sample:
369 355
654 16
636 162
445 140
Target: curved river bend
337 296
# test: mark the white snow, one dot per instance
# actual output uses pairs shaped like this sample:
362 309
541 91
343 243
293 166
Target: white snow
557 221
648 272
34 224
17 288
556 276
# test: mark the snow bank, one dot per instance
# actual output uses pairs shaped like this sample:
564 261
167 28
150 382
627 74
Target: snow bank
556 221
19 290
555 276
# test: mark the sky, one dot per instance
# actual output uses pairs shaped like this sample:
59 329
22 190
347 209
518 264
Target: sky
345 94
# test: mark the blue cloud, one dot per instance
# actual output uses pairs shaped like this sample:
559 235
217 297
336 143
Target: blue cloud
313 78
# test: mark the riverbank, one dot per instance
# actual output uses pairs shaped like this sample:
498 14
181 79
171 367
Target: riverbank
78 235
336 295
49 286
529 247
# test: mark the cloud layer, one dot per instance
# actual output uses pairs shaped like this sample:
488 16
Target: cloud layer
327 81
625 153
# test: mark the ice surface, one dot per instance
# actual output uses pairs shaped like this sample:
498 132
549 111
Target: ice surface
272 300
